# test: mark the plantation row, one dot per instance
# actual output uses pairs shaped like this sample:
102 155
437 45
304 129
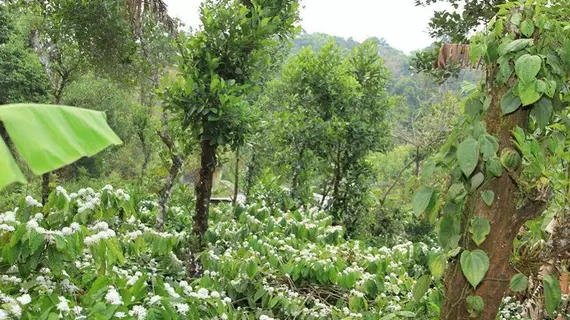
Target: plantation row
95 255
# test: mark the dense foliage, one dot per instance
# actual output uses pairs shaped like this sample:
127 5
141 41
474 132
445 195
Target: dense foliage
361 187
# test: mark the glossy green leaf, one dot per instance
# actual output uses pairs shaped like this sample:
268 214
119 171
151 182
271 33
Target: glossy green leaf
528 93
488 197
49 137
541 86
516 18
479 229
421 200
11 172
457 192
510 103
519 282
515 46
527 28
541 112
527 67
477 180
505 70
475 305
468 156
36 240
448 232
251 269
474 265
552 293
370 287
421 286
437 264
488 145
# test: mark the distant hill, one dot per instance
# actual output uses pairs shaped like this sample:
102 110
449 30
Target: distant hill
395 60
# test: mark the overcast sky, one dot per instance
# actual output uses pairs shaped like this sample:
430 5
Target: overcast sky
400 22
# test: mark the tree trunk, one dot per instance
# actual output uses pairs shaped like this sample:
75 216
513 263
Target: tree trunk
336 187
45 188
251 175
146 154
295 194
236 179
418 160
505 217
177 163
203 195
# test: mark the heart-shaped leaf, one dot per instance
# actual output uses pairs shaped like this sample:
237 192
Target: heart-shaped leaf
449 232
421 287
528 92
488 145
552 293
477 180
475 305
541 112
474 265
516 18
421 200
468 156
437 264
527 28
527 67
519 282
515 46
479 229
510 103
488 197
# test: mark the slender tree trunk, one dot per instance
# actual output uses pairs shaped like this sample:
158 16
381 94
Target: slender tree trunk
236 179
45 187
296 173
418 160
250 176
203 195
177 160
396 180
146 154
177 163
505 217
336 186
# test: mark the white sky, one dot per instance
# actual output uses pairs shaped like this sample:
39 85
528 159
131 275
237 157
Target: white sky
400 22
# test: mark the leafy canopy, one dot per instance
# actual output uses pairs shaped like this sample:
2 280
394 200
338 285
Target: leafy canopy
224 62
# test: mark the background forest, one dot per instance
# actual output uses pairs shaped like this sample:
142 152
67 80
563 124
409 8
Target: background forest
270 173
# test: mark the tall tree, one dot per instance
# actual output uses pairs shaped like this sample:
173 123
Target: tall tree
219 66
463 18
526 64
331 111
70 37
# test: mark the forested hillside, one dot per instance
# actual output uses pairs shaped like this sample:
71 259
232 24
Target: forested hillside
245 169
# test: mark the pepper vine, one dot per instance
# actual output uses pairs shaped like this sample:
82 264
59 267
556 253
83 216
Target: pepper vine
526 54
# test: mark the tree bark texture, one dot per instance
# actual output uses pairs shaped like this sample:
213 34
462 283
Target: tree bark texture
146 154
203 194
236 179
505 218
177 162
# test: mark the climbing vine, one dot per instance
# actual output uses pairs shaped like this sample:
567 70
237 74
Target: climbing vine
503 157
